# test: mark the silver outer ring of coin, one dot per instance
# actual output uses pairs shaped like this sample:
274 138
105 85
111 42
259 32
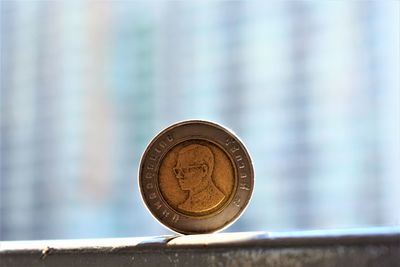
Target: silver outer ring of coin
195 130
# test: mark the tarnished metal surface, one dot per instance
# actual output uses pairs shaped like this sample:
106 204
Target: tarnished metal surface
357 247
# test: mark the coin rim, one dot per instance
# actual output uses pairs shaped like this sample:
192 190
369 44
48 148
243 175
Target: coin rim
213 124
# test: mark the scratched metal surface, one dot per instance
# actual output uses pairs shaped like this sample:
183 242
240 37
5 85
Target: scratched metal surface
352 247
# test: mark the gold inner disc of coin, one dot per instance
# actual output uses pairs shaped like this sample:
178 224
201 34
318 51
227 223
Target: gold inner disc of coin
196 178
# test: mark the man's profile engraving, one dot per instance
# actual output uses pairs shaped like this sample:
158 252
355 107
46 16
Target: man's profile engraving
194 168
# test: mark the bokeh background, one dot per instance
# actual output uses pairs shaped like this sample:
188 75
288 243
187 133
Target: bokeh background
311 87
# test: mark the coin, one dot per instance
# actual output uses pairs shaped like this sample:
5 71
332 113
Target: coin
196 177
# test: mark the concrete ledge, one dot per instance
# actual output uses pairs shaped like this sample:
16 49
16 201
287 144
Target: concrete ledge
352 247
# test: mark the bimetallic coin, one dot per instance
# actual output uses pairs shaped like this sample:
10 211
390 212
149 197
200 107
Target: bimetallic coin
196 177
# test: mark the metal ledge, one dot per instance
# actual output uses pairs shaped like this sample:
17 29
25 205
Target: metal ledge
352 247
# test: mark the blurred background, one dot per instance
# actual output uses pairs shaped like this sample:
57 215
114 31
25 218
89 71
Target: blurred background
311 87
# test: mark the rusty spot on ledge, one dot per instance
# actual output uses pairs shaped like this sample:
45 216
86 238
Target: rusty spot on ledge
45 252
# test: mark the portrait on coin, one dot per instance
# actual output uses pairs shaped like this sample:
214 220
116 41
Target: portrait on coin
194 170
